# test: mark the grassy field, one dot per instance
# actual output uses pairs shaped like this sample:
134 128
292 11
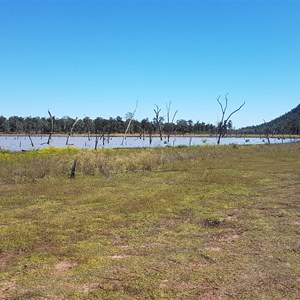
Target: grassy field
177 223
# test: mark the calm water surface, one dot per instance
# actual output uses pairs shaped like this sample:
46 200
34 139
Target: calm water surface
21 143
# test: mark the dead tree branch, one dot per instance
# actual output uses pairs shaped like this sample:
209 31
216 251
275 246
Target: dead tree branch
52 127
158 120
267 132
32 145
71 130
223 124
96 142
129 123
170 126
85 120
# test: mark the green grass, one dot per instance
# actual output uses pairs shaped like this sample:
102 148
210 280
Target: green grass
177 223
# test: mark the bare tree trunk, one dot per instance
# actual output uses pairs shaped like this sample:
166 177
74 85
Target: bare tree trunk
129 123
32 145
52 127
142 133
222 126
103 138
150 138
88 129
71 130
267 132
170 125
96 142
158 121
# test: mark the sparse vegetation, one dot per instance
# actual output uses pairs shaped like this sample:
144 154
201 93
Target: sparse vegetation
178 223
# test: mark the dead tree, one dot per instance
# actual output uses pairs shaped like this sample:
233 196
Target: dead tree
71 130
170 126
129 122
267 131
103 137
223 124
52 127
86 122
142 133
96 142
32 145
158 120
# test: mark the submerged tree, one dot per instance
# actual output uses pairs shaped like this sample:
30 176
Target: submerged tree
158 120
130 118
170 126
71 130
223 124
52 127
267 131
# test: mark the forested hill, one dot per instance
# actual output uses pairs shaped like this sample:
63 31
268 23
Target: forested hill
288 123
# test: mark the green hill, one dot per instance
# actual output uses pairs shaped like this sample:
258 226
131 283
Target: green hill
288 123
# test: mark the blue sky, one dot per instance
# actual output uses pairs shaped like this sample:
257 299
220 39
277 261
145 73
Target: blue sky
97 58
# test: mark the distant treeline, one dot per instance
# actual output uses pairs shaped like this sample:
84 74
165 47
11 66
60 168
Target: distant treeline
65 125
291 126
288 123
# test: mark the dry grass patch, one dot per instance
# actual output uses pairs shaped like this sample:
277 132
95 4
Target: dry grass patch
180 223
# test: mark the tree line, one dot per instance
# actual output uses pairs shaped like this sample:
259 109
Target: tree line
158 125
166 125
99 125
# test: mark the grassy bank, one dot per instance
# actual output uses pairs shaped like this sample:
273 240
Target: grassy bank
176 223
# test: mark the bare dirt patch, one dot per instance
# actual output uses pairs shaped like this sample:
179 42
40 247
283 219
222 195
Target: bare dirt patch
229 236
6 287
8 258
65 265
213 249
119 256
153 245
210 295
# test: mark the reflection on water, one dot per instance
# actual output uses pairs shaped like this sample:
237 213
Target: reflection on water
21 143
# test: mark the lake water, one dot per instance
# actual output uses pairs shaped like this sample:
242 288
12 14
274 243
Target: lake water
21 143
